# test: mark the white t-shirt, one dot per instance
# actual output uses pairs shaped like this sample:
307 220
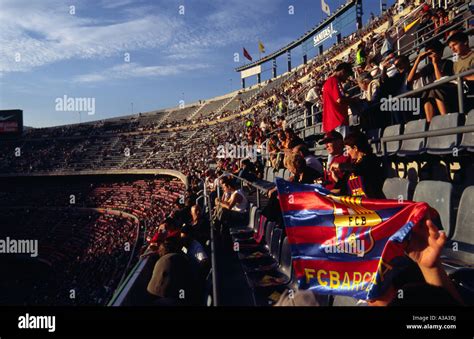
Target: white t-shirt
312 96
240 206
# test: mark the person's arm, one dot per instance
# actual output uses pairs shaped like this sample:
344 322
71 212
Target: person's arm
234 199
414 74
424 248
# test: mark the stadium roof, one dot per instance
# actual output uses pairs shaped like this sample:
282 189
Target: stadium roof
300 40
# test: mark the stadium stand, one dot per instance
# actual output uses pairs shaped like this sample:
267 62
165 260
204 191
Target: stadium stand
187 140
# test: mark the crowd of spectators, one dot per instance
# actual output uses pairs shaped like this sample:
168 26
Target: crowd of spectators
371 69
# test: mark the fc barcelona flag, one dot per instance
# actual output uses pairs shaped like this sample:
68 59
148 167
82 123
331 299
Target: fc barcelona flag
345 245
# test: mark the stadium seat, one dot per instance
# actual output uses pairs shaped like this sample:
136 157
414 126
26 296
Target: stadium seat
413 146
461 246
467 142
249 228
279 275
437 194
267 172
443 144
374 139
287 174
256 239
392 147
265 259
282 255
264 249
394 188
271 175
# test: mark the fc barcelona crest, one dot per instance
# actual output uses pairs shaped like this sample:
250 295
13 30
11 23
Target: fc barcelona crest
354 224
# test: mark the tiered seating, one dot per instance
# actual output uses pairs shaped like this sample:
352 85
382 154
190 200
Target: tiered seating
265 256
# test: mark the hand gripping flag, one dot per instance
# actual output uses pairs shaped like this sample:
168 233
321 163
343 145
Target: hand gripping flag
344 245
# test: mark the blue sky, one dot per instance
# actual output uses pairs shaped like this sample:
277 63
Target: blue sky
49 50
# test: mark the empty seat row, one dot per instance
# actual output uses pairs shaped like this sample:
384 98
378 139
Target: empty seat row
439 195
265 256
431 145
270 174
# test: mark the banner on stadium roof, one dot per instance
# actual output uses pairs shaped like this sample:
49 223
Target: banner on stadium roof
343 245
325 34
251 71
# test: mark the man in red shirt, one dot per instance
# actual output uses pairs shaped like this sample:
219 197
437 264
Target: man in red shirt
335 146
335 104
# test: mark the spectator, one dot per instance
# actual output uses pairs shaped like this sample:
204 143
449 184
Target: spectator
396 85
312 98
302 173
361 55
231 210
440 97
363 177
281 122
335 104
171 276
387 45
424 248
335 147
247 170
168 229
311 160
459 44
199 225
292 140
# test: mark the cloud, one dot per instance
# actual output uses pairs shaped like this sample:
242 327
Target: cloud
135 70
47 34
41 33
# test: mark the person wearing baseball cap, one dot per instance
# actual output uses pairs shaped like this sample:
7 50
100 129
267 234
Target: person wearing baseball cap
335 147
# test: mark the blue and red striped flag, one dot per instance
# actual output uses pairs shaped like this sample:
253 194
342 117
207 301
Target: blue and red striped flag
344 245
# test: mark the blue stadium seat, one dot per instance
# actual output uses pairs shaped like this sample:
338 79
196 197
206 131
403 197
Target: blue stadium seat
461 246
467 142
394 188
443 144
437 194
392 146
413 146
